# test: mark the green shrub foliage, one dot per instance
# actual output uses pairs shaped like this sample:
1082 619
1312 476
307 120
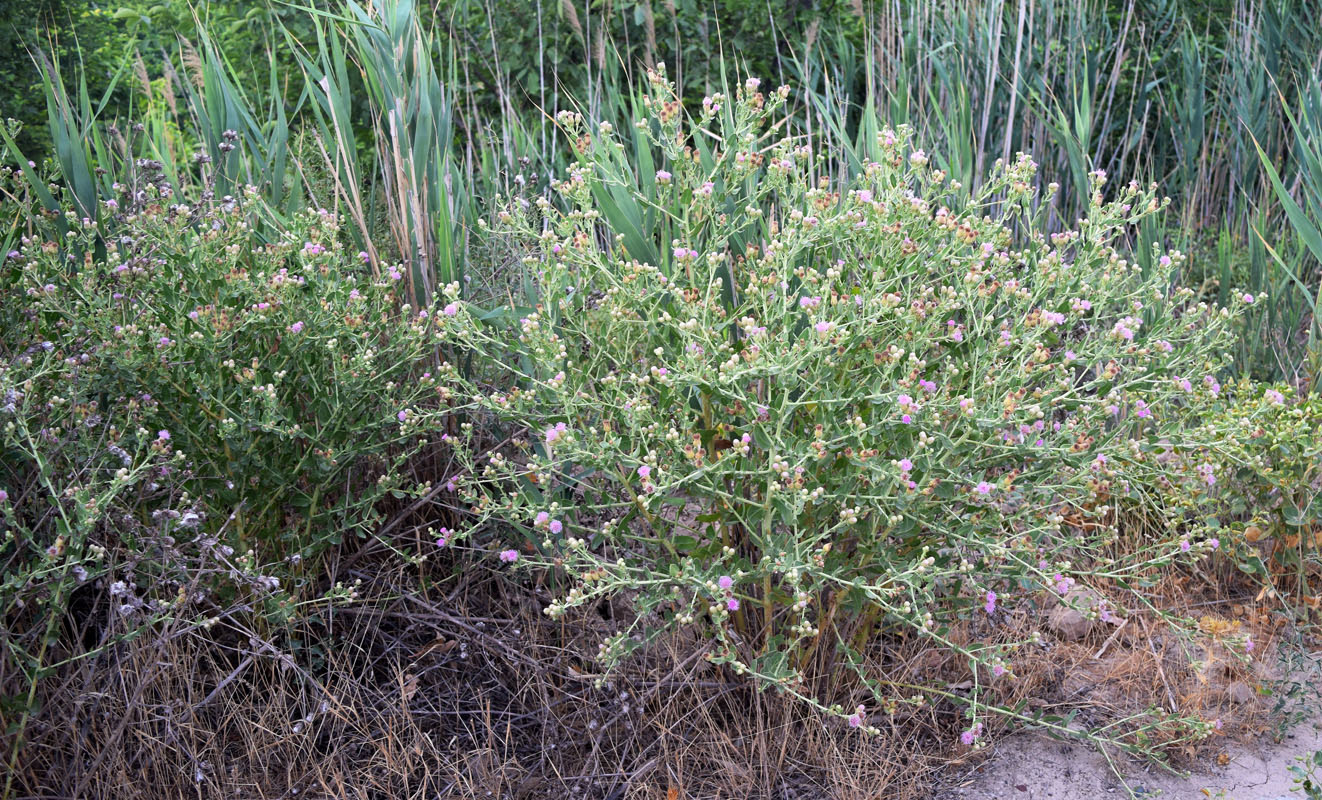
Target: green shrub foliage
795 417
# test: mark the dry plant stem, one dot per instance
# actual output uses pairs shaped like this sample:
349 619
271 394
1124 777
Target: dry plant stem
1114 635
1161 673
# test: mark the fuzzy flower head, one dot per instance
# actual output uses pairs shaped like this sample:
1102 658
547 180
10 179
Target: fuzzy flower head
555 432
509 556
725 582
971 735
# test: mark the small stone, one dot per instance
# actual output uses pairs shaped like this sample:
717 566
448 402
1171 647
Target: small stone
1241 693
1068 620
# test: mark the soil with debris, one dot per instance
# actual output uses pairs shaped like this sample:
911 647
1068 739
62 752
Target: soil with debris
1034 767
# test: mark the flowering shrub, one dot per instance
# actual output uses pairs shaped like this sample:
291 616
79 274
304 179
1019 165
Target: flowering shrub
1272 453
186 410
828 413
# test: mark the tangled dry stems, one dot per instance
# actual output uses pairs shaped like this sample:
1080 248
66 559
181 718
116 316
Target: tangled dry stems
441 684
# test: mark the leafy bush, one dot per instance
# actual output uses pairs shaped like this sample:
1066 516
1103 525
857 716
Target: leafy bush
190 416
826 414
1272 456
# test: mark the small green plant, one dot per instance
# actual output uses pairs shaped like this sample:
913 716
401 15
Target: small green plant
1305 775
822 415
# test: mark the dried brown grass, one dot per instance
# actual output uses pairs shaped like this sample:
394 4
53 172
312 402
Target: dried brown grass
412 692
441 681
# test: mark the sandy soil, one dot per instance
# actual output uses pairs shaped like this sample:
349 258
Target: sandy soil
1034 767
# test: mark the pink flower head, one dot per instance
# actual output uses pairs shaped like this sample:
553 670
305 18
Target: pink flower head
906 465
725 582
450 309
927 386
991 603
1214 543
296 327
732 604
644 472
1164 261
1184 545
983 488
541 519
396 275
1248 644
864 196
402 416
163 435
662 176
509 556
1248 299
1063 584
971 735
554 433
556 526
444 537
823 327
